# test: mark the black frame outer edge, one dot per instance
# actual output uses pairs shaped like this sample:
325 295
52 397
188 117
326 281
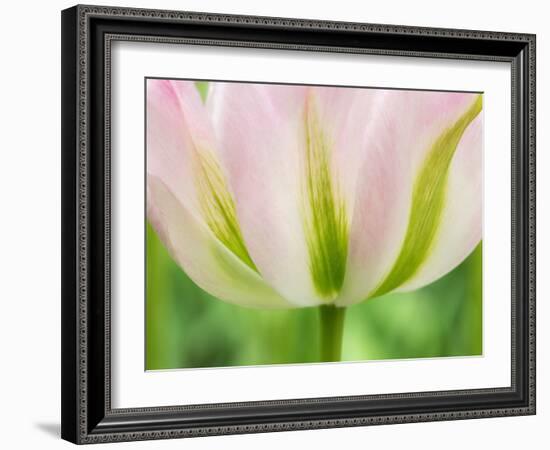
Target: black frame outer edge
69 294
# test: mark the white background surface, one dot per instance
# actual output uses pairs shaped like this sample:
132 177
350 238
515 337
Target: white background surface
133 387
30 190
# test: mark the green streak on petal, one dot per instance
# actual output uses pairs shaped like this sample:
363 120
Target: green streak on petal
218 206
326 222
202 87
428 201
216 202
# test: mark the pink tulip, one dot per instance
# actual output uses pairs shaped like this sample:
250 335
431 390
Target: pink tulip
275 196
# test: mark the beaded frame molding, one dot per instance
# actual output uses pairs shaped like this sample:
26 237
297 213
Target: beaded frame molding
87 35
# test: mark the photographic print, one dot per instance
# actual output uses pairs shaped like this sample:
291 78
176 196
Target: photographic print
291 224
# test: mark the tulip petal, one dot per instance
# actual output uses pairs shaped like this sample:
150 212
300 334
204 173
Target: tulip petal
344 116
203 257
324 208
400 197
258 127
336 128
428 203
292 155
461 223
181 151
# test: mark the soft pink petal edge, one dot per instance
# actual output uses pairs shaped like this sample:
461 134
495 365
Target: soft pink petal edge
202 257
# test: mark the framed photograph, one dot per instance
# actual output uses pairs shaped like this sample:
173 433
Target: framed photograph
280 224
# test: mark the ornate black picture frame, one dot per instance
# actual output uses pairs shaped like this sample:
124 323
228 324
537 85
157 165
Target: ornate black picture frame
87 34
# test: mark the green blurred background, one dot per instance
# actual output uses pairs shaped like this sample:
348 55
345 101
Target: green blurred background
187 327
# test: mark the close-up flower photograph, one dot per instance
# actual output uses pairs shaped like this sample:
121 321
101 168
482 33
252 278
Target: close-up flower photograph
335 223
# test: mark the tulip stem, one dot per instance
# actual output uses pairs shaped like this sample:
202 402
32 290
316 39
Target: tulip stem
331 325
